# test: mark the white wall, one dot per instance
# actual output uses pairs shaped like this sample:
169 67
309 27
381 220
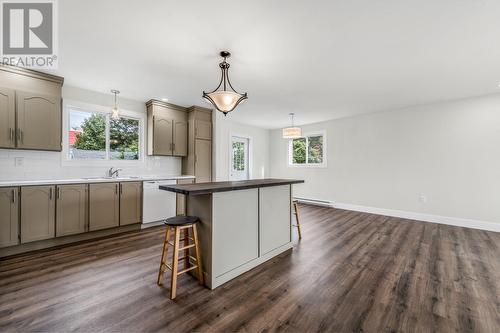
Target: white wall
447 152
224 129
49 165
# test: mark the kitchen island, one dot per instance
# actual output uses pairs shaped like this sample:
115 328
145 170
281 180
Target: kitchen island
243 223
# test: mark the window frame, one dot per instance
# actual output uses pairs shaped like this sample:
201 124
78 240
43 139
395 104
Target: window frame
307 164
69 105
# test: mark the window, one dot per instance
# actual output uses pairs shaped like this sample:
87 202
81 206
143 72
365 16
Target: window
238 156
95 136
308 150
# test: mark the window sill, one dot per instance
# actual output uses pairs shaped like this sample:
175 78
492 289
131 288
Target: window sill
322 165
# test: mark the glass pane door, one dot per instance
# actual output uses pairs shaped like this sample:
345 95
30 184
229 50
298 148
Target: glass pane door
239 158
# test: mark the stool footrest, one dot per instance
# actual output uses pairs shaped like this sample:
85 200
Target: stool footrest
184 247
187 269
187 247
188 257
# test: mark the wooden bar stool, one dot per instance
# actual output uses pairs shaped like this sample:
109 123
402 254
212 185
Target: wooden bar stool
176 225
297 217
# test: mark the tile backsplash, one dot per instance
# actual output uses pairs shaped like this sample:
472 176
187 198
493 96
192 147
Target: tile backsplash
39 165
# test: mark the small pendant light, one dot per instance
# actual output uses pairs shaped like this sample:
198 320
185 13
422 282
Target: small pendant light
226 99
115 111
292 131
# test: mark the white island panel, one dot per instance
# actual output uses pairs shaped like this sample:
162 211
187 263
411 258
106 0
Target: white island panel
235 227
274 217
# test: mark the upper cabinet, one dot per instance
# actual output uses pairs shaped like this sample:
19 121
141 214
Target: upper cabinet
203 129
30 109
167 129
7 118
162 136
180 136
38 121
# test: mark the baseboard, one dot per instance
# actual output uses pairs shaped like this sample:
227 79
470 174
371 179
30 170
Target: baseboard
455 221
314 202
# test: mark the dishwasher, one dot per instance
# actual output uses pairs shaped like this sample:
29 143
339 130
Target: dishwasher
157 204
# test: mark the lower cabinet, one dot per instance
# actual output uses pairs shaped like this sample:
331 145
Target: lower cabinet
104 206
130 203
9 216
34 213
37 213
71 213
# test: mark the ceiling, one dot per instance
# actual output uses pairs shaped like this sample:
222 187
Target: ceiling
319 59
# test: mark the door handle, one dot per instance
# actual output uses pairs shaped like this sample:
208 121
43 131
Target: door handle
116 188
11 134
58 193
121 189
50 193
13 196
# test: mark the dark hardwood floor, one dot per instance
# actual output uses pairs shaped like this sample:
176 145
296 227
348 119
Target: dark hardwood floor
351 272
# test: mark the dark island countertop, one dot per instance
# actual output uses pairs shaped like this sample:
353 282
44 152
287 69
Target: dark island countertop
206 188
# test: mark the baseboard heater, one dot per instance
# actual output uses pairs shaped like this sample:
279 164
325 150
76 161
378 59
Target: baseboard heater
314 202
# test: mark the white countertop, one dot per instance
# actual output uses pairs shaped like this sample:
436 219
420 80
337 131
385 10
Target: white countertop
88 180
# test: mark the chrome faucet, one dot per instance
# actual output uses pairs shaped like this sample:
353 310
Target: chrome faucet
113 173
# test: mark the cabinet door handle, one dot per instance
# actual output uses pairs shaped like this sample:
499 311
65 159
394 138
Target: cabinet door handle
121 189
58 193
116 188
50 193
13 196
11 134
20 135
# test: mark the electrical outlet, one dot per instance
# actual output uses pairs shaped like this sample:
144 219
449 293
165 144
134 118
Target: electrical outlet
422 198
19 161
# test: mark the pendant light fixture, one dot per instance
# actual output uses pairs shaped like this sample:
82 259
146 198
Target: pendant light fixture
226 99
292 131
115 111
